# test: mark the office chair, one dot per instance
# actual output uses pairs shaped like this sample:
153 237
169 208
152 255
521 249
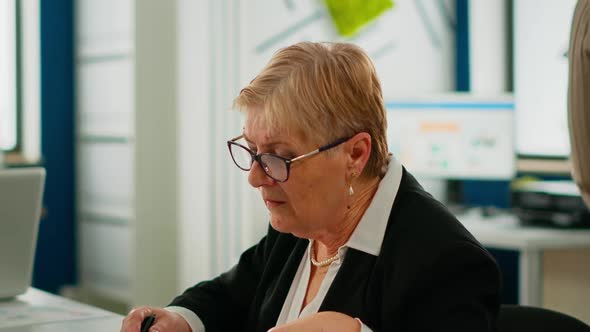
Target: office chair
516 318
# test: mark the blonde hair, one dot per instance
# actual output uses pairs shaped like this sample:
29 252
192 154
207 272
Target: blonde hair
326 91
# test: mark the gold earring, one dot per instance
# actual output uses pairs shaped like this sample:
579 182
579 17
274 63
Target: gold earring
350 190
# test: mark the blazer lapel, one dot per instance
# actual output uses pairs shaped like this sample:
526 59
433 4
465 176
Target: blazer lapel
275 294
349 292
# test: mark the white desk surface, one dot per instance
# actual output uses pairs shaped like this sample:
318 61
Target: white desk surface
101 321
504 232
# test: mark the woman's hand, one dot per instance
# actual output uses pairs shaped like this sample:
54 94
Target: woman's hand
166 321
326 321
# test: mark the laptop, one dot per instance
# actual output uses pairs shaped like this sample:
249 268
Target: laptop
21 193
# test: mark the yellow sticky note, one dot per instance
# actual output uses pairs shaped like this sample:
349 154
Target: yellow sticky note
350 15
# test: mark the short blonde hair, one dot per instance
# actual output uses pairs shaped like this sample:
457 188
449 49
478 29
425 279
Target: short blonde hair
326 91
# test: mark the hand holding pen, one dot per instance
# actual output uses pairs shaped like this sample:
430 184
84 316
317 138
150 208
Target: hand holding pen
152 319
148 322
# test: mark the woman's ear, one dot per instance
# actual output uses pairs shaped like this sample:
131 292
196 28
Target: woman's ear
359 151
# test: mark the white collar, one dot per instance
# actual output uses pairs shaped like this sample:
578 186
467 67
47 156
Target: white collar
369 233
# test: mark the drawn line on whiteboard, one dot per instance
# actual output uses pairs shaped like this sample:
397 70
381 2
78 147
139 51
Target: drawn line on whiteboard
289 31
427 24
383 50
446 14
290 4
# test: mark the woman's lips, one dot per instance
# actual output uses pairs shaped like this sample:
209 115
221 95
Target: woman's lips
271 204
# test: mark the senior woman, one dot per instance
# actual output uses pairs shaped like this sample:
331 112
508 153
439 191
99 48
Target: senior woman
354 243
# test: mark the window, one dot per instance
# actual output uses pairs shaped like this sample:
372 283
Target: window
8 76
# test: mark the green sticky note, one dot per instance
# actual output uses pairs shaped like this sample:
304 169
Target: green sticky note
350 15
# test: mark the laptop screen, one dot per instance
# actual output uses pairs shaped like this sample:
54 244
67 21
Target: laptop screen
21 192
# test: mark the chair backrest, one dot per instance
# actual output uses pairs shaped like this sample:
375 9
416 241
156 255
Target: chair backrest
515 318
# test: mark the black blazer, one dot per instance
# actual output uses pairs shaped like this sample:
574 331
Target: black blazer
431 275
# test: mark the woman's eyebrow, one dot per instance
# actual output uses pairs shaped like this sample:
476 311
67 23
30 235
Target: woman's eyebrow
268 145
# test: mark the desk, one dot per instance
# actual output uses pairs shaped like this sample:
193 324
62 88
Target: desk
100 320
504 232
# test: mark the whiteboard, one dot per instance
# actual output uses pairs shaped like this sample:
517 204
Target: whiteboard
412 45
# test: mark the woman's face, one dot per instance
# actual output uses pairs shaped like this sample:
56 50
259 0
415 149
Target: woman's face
313 200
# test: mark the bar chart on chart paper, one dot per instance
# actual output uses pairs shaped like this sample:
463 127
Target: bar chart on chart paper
453 137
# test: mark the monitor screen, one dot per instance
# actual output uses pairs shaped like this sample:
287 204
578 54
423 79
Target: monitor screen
454 136
541 41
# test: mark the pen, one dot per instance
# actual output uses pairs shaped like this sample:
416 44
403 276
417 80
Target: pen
147 322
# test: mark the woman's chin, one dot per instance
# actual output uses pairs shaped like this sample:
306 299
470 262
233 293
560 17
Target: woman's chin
280 224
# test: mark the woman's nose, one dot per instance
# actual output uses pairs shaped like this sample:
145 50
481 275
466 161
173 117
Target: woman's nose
257 177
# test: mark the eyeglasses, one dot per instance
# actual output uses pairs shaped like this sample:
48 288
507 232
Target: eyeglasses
276 167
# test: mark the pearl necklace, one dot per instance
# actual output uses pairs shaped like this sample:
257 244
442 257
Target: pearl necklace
325 262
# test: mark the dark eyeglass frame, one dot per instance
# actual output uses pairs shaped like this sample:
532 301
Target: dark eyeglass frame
288 162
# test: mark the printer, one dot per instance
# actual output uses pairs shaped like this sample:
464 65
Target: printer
552 203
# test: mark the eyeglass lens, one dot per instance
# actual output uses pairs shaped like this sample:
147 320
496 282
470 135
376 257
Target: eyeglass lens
241 157
273 166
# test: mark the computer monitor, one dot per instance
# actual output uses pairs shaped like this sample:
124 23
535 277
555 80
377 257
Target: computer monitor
541 40
453 136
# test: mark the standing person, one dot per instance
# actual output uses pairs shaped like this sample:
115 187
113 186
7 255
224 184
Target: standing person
579 97
354 243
